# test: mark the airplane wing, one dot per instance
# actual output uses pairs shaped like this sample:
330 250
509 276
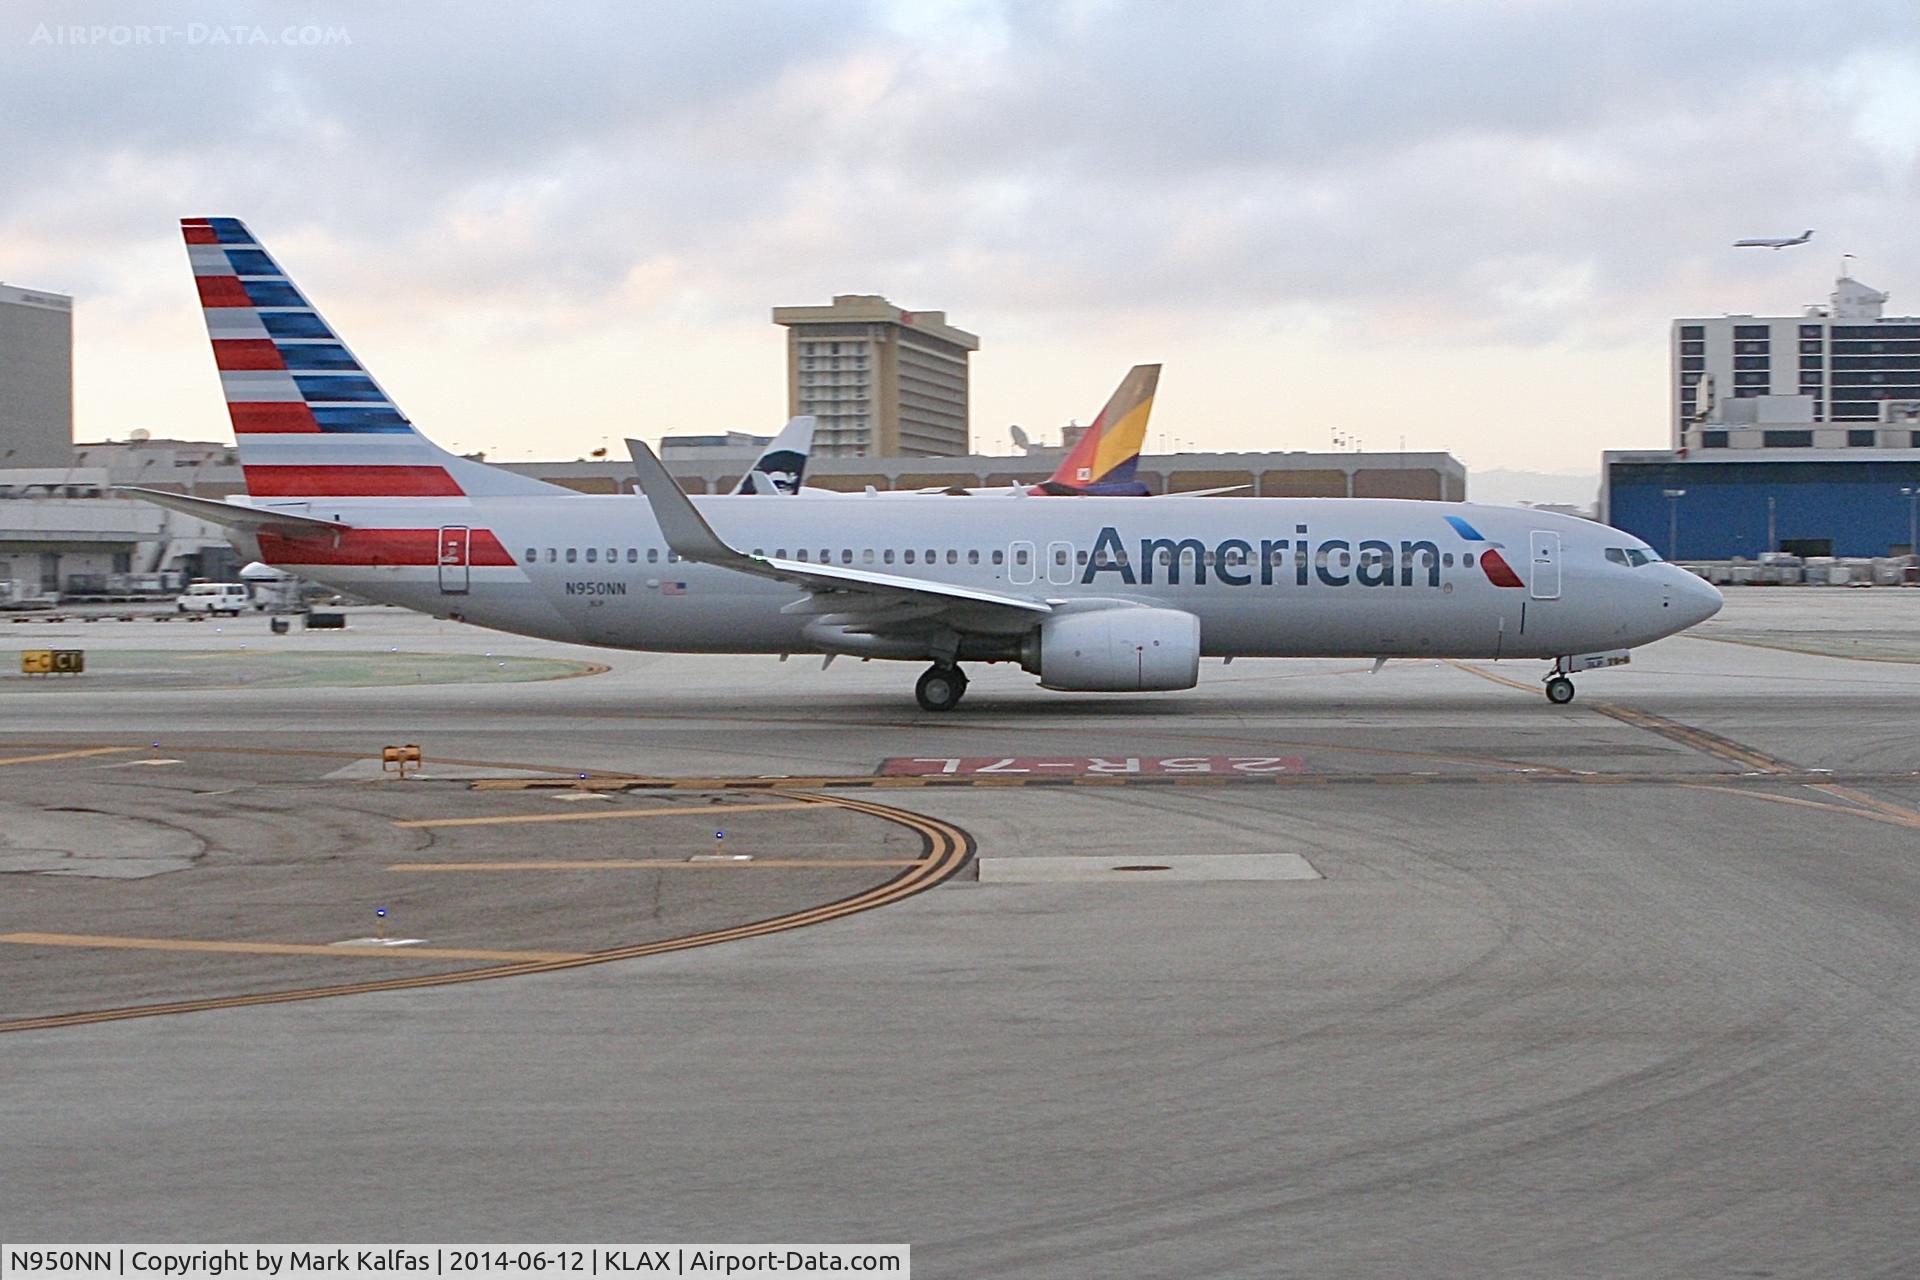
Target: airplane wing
689 536
1202 493
233 515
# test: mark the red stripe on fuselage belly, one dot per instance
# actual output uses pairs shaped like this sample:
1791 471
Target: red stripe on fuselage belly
350 482
378 547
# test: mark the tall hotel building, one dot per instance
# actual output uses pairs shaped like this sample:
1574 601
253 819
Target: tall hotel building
1842 376
881 381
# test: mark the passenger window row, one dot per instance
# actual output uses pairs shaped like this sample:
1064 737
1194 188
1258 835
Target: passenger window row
574 555
653 555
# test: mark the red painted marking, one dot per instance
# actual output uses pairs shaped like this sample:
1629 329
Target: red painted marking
221 291
198 233
247 353
1499 572
1090 766
268 417
378 546
350 482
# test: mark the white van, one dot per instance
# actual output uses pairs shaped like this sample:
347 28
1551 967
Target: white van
214 597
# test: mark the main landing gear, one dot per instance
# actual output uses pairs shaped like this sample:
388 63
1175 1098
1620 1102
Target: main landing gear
941 687
1559 690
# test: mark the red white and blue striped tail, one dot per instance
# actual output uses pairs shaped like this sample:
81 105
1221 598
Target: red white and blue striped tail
310 420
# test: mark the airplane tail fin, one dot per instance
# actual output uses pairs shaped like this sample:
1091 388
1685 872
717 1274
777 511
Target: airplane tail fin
310 421
1109 451
782 466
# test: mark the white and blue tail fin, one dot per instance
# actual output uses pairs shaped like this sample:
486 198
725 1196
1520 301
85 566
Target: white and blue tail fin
782 465
309 419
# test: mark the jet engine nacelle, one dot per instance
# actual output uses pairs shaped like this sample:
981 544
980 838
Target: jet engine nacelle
1120 650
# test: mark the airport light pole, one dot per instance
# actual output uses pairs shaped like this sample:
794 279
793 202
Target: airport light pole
1673 522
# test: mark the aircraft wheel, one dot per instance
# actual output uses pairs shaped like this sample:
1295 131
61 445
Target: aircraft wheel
940 688
1559 691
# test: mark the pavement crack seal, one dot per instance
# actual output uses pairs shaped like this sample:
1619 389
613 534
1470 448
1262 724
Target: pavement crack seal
945 850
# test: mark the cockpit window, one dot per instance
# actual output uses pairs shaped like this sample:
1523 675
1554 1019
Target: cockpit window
1633 557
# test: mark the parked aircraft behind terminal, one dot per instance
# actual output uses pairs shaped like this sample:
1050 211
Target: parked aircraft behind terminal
1098 594
1102 463
781 467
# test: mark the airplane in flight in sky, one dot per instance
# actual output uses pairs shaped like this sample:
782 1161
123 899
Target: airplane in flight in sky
1098 594
1774 242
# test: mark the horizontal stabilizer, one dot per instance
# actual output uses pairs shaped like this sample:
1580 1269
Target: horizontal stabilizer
233 515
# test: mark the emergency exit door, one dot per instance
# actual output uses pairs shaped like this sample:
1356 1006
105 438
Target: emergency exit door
456 542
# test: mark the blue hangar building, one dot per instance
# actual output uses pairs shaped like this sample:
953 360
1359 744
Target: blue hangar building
1725 507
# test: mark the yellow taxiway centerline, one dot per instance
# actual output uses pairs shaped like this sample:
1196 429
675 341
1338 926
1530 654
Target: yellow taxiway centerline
718 811
651 864
947 849
279 948
68 755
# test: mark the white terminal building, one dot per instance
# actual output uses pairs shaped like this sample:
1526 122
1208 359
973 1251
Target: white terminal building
1841 376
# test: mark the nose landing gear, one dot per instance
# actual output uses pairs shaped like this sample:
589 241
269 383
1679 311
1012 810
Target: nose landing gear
941 687
1559 690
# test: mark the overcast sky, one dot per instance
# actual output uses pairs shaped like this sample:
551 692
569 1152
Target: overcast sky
1464 225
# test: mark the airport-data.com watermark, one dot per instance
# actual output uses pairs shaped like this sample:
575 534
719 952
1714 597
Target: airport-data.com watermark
200 35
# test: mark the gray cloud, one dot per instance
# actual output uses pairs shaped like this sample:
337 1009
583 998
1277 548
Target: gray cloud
1505 172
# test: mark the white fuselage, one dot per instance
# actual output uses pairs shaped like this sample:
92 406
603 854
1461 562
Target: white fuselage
1266 577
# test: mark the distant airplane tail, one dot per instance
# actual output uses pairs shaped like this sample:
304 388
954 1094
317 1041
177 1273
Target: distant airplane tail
1109 451
782 465
309 419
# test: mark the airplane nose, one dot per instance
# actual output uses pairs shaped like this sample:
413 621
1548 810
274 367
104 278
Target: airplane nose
1695 598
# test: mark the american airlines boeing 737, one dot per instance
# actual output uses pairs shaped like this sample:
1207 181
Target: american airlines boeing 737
1097 594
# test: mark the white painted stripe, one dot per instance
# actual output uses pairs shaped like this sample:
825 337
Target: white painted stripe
253 386
234 322
209 260
338 448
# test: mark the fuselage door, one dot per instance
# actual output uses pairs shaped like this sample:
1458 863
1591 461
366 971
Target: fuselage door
456 542
1544 580
1060 563
1020 563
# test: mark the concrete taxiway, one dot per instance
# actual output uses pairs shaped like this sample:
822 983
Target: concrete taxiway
1627 987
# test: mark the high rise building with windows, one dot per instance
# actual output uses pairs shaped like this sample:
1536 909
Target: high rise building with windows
882 382
36 378
1842 376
